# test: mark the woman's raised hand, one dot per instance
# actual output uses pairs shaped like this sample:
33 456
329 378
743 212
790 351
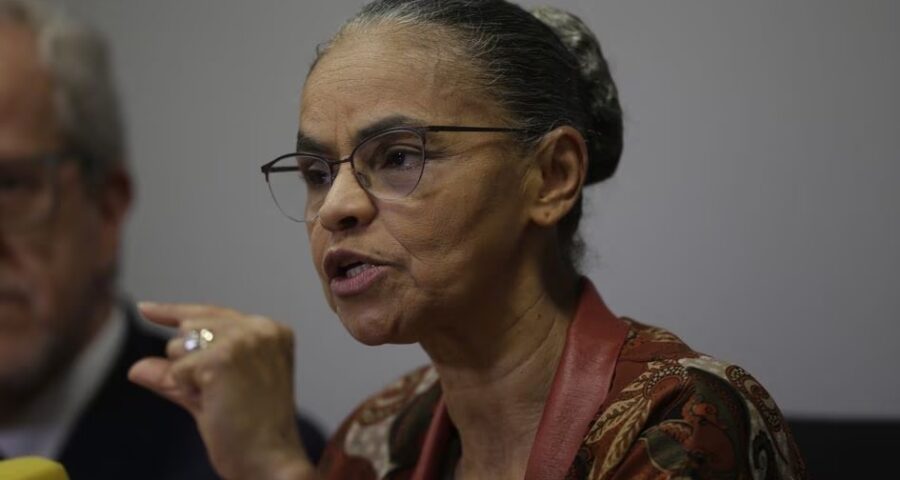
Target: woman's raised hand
234 373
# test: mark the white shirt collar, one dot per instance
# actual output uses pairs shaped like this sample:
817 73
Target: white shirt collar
44 426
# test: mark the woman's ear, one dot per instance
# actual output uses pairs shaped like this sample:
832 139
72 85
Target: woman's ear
562 162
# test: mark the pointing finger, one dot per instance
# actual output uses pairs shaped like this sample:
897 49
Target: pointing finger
173 314
154 374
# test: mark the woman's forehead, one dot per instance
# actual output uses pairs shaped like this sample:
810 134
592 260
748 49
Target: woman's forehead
363 78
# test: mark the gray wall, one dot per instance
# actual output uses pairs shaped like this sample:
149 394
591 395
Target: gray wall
755 213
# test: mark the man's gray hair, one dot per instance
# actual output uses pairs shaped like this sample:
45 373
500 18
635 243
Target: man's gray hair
85 97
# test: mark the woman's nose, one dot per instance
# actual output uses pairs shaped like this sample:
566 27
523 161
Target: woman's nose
347 204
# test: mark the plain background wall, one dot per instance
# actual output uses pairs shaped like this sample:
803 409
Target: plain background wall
756 212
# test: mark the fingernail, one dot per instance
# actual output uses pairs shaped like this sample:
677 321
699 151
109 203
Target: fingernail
147 304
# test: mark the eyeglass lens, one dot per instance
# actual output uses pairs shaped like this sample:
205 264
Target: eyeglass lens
388 166
26 193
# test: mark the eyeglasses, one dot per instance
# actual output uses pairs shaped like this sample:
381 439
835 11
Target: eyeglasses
28 191
388 165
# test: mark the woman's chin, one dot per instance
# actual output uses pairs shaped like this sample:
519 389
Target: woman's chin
377 336
371 340
373 329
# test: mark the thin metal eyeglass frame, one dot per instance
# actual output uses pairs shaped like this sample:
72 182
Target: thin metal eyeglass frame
52 161
269 167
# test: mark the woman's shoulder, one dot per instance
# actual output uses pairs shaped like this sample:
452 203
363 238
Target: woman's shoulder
645 343
383 433
671 408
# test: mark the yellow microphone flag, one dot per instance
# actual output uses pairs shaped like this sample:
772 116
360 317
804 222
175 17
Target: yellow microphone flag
31 468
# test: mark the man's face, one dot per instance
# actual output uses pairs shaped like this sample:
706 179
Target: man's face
52 271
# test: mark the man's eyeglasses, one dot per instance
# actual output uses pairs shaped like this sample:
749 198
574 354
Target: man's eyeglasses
28 191
388 165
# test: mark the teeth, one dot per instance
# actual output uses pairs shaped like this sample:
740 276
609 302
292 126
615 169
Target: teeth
352 272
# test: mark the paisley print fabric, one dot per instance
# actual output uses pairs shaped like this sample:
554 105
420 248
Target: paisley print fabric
672 413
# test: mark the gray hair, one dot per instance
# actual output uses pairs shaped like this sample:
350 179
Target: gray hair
85 97
544 67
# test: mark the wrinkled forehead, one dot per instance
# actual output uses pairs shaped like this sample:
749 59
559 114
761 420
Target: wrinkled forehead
19 61
27 115
376 73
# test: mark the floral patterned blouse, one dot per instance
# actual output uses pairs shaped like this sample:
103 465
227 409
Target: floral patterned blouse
671 413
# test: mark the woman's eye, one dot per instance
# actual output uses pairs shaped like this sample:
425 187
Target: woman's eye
401 158
316 177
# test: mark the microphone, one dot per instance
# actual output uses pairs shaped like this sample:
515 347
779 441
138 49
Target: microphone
31 468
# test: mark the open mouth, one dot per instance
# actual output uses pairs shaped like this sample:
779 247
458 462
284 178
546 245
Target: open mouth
353 269
352 273
343 265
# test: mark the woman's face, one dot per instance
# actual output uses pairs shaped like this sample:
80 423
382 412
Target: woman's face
397 271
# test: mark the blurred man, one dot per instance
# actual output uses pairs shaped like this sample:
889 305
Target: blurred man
65 342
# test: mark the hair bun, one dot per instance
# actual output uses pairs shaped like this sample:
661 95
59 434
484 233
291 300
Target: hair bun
599 91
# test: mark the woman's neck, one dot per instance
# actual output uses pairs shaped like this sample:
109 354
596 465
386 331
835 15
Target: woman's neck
496 377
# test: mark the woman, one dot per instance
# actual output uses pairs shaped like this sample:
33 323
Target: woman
441 156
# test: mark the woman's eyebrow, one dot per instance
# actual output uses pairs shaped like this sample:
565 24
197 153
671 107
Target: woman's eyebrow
387 123
306 143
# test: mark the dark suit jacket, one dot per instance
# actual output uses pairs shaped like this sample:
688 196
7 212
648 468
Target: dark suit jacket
128 432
